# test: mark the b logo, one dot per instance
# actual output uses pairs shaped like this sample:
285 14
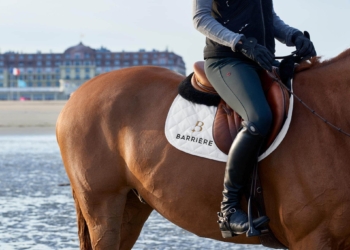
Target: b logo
198 127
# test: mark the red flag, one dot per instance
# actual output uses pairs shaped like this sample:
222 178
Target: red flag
15 71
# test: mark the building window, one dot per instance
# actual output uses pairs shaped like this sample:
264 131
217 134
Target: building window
87 70
108 63
49 96
108 56
135 62
126 64
48 63
87 77
87 63
126 56
30 57
144 62
57 63
30 84
58 57
67 63
98 63
77 56
86 56
37 97
145 56
107 69
39 57
57 84
117 56
39 84
136 56
98 56
38 63
77 70
48 57
67 77
154 62
162 61
67 56
77 63
48 84
77 77
116 62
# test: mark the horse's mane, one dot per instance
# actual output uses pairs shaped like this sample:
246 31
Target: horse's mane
316 62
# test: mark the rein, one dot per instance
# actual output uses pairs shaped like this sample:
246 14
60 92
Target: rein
298 59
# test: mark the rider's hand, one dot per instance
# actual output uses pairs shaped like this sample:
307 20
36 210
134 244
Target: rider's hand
305 48
260 54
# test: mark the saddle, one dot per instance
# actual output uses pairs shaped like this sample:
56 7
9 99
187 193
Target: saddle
227 122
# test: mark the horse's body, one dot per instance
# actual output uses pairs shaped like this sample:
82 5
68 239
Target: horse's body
111 136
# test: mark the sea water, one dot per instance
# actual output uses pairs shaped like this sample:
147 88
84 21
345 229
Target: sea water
37 209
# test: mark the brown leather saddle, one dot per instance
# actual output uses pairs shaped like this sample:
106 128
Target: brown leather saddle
227 122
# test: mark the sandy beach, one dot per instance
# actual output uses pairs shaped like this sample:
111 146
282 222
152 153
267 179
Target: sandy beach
29 117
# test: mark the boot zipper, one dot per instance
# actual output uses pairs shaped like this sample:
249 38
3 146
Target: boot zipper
263 21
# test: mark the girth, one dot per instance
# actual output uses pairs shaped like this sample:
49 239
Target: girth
227 122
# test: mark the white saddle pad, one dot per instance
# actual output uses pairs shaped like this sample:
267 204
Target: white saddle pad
189 128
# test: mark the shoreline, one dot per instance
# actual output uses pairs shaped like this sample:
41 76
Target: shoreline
5 131
29 117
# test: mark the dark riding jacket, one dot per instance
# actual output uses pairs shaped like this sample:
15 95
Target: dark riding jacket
251 18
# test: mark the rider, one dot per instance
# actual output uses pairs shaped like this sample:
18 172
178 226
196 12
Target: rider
240 44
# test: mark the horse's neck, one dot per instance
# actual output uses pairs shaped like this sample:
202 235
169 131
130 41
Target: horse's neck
326 90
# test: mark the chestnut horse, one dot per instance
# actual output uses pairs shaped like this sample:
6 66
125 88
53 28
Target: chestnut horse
112 140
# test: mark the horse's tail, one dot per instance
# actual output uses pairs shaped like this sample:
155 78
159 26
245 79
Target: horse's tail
83 231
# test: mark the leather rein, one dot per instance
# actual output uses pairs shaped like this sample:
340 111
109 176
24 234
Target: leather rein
297 59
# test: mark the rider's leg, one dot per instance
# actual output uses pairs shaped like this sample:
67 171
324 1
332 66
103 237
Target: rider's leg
237 81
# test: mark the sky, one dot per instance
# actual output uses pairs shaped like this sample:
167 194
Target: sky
29 26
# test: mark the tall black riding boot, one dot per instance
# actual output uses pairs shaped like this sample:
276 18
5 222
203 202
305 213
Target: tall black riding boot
241 160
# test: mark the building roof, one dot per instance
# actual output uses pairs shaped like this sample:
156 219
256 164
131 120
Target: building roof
80 48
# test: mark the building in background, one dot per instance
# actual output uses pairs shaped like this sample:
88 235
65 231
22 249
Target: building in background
54 76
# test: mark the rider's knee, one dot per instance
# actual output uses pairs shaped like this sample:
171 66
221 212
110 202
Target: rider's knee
263 123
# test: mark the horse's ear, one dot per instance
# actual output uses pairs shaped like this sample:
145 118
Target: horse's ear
307 35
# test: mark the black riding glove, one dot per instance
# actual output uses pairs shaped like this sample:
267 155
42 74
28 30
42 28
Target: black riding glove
254 51
305 48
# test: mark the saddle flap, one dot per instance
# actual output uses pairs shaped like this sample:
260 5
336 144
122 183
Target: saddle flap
227 124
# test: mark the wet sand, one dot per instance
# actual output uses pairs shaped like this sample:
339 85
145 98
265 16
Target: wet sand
29 117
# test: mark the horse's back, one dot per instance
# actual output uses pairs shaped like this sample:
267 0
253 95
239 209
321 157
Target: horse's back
103 99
